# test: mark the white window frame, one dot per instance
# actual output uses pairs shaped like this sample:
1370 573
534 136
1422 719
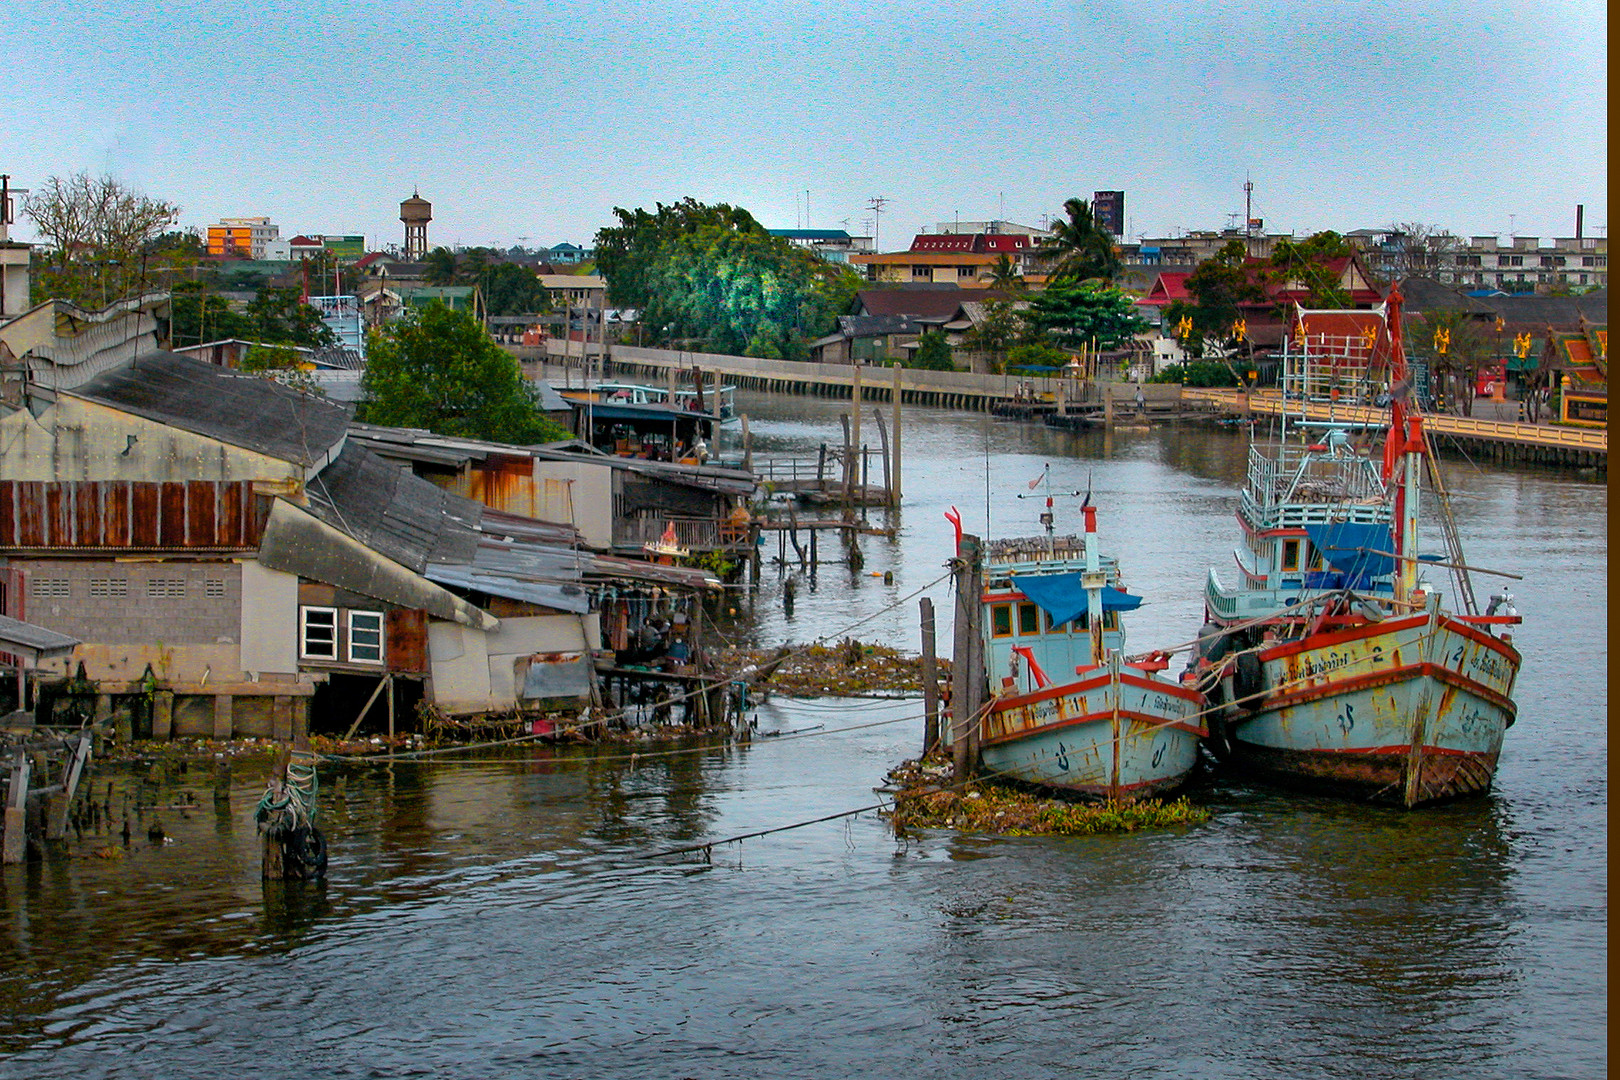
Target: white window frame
303 632
353 614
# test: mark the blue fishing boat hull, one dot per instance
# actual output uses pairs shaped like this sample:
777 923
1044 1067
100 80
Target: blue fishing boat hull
1117 733
1407 711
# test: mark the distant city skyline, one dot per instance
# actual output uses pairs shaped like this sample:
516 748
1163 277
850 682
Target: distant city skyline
528 124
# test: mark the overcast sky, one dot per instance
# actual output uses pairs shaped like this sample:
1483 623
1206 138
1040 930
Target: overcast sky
532 121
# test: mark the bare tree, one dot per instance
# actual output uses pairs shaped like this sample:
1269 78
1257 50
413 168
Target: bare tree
98 232
1413 248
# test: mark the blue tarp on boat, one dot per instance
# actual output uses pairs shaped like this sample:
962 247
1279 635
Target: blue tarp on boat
1062 597
1347 547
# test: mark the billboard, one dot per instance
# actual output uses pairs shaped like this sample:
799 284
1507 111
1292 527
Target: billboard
1108 210
345 247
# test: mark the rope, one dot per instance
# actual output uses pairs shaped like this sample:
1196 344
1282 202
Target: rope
288 803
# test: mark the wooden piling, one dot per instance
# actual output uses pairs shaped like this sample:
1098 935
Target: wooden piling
930 678
967 682
894 473
14 845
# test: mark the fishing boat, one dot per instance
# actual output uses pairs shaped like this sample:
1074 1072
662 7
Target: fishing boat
718 400
1332 662
1071 711
620 394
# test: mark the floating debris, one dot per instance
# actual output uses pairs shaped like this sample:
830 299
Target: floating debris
848 668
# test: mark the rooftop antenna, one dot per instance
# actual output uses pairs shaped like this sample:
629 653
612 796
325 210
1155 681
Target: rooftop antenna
876 204
1248 215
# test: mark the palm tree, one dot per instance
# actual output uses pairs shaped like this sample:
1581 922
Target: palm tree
1083 251
1004 276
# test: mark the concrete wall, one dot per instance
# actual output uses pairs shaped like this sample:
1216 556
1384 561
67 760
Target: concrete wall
269 620
80 440
474 671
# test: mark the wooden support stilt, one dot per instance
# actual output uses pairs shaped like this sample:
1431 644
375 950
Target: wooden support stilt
966 682
14 845
386 680
930 678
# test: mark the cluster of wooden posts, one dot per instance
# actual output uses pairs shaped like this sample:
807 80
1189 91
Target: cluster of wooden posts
957 726
42 781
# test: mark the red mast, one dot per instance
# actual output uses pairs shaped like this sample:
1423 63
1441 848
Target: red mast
1403 450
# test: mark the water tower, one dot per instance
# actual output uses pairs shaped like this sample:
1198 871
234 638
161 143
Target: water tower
415 212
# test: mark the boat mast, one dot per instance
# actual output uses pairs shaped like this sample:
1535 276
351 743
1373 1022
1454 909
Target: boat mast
1403 453
1092 580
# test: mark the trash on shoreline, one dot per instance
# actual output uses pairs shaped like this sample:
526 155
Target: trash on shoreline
848 668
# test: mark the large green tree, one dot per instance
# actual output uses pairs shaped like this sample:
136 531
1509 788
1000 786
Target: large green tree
1309 264
439 370
712 278
1084 313
512 289
629 254
1080 248
280 317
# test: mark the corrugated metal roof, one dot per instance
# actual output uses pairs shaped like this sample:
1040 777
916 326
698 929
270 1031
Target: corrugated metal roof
247 411
27 638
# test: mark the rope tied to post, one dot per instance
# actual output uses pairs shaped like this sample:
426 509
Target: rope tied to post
288 803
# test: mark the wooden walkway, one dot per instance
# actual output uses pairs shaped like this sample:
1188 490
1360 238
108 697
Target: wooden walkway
1493 439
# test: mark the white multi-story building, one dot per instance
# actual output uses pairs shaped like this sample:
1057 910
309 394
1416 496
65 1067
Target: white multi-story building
1524 264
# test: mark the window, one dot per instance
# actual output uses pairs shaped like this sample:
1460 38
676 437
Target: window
214 587
1029 619
1001 620
52 586
318 633
166 588
103 587
365 637
1315 562
1290 555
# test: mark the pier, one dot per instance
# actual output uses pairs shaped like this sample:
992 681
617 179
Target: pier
1064 403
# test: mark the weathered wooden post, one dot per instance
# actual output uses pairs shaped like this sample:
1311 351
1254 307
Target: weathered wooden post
883 455
930 678
966 681
1108 404
894 473
855 420
14 847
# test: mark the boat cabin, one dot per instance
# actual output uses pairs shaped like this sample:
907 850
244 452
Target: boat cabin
1036 623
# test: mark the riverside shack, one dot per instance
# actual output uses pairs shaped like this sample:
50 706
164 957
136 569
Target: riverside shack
234 565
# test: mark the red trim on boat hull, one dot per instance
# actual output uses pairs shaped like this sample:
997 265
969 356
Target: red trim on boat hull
1376 775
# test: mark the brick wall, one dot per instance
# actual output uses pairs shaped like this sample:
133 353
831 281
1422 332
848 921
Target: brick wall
103 601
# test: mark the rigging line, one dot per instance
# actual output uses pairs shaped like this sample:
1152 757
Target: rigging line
382 759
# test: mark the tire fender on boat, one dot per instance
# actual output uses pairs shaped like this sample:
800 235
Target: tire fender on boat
1250 679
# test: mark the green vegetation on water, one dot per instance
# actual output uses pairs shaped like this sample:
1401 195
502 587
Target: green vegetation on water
988 807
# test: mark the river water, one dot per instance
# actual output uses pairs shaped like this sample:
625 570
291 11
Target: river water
500 916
